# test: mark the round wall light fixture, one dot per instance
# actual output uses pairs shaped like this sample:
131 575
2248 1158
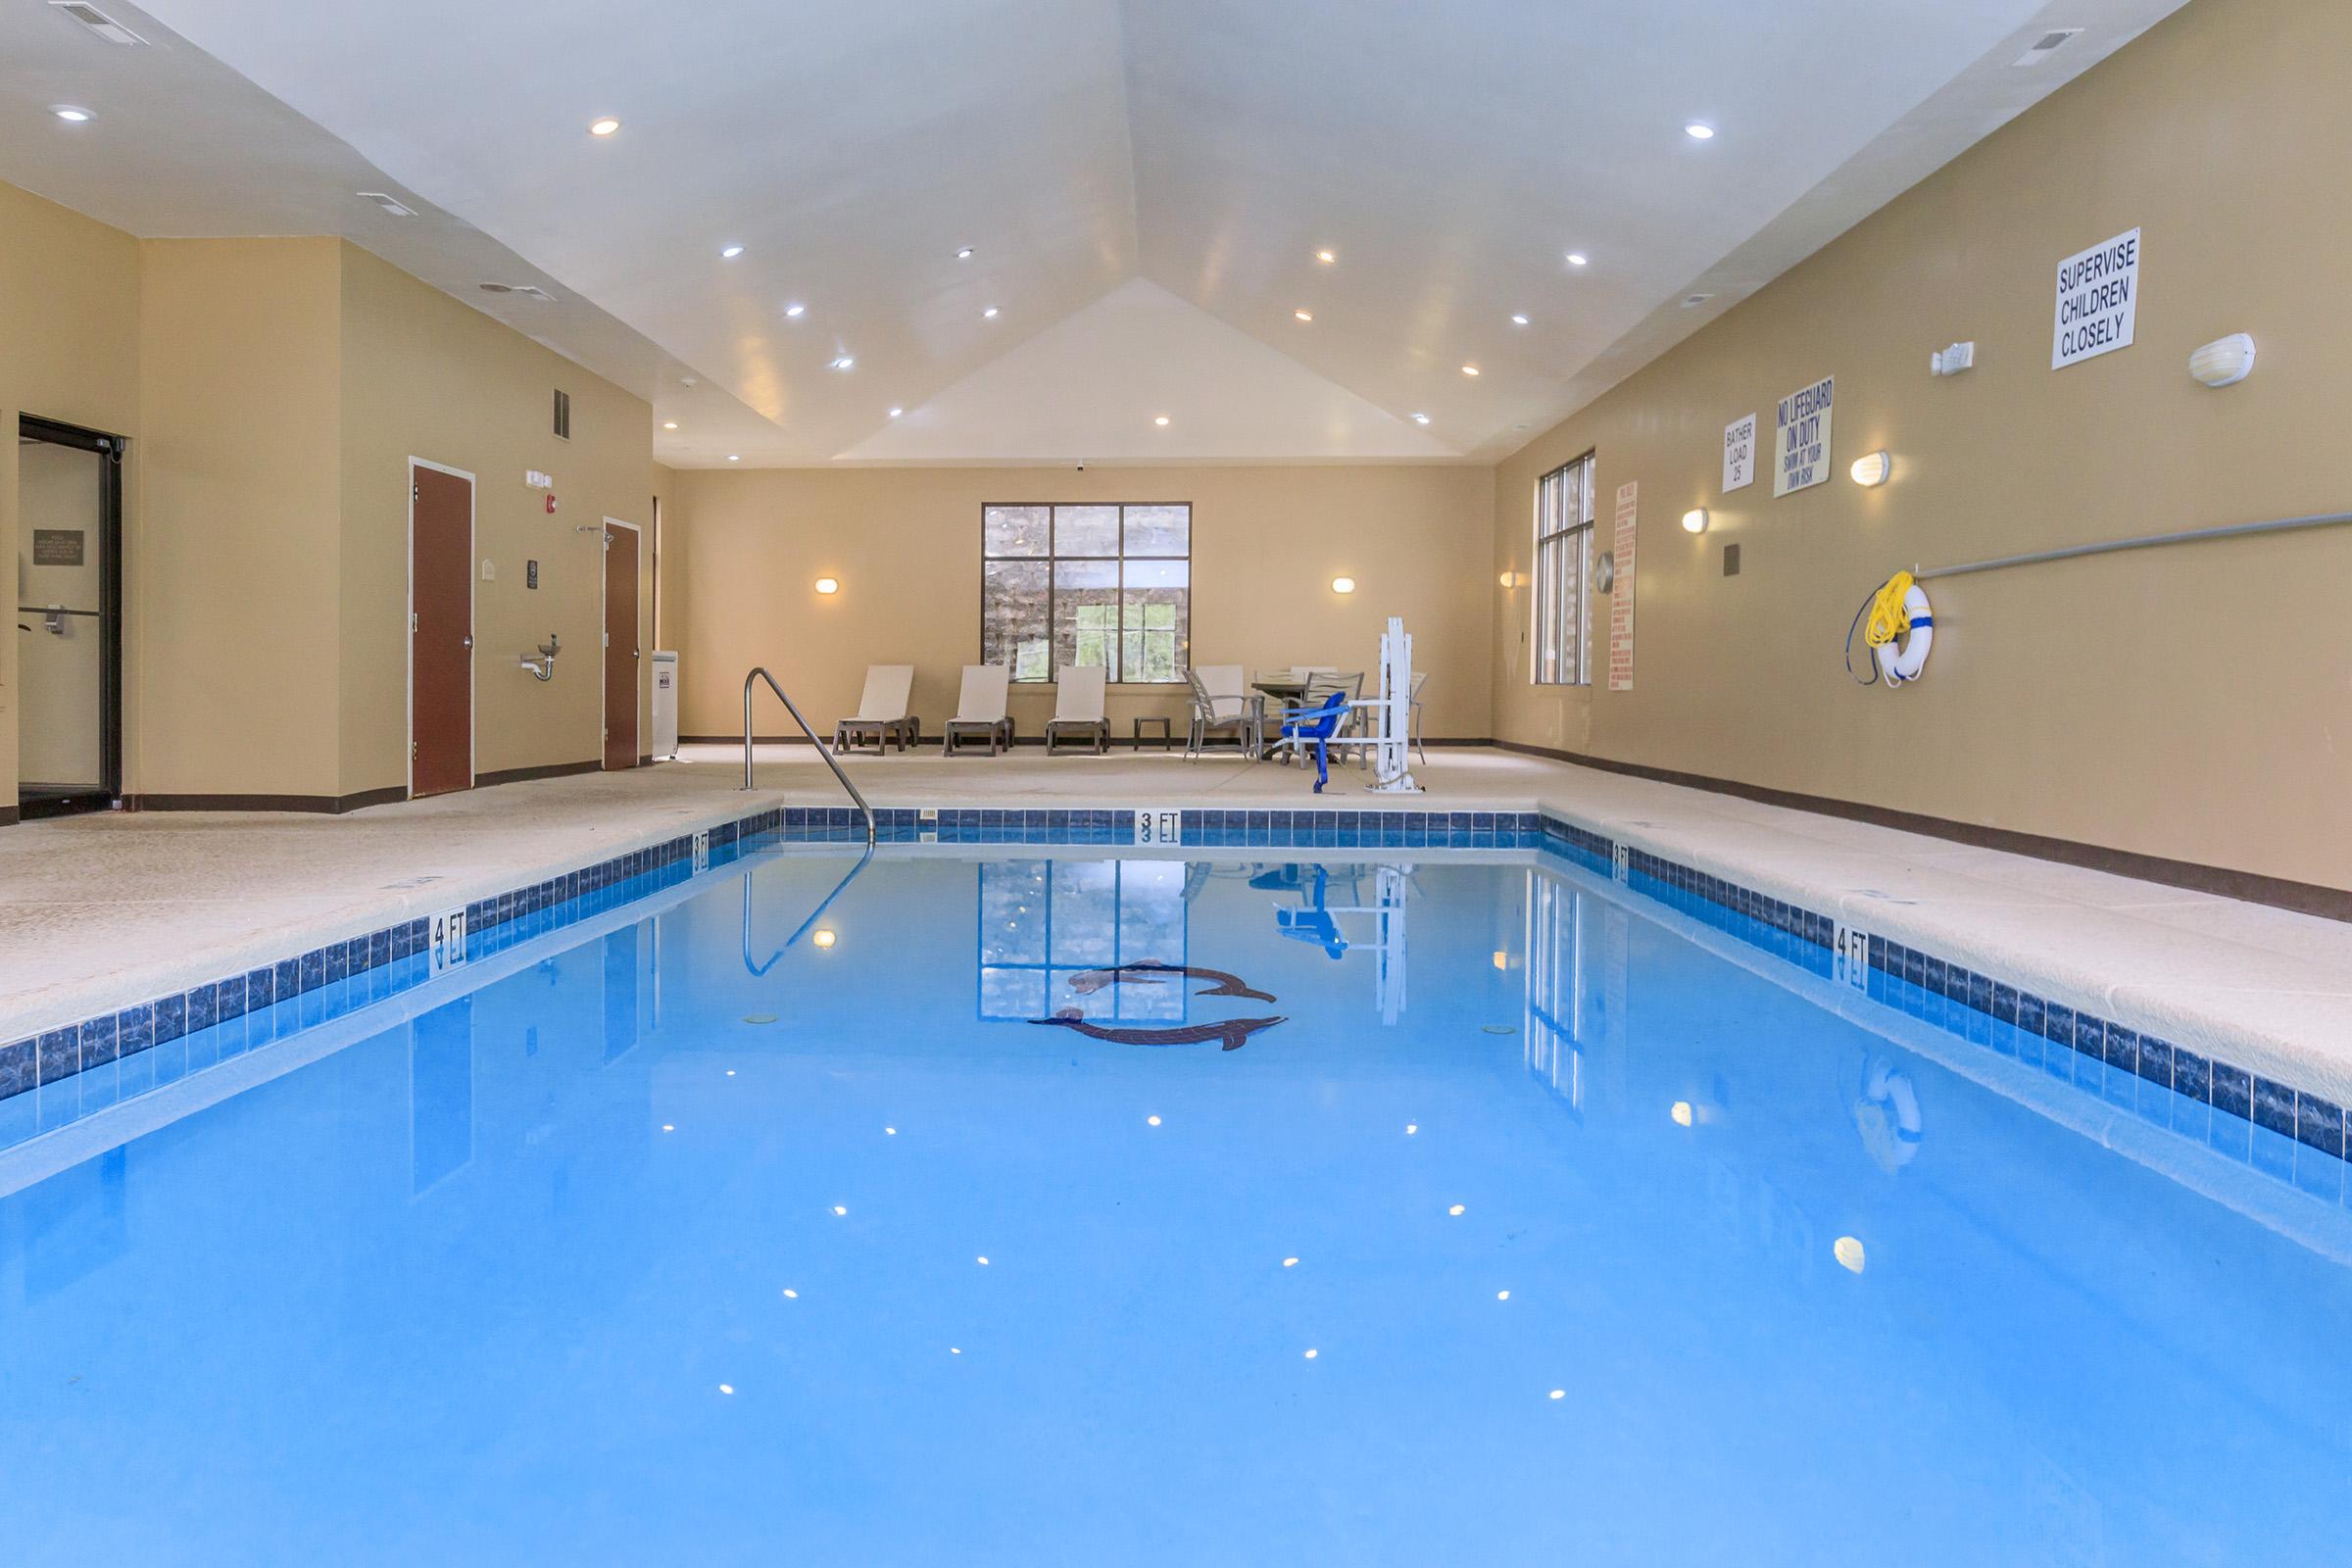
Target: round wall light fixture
1695 520
1343 585
2224 362
828 585
1872 469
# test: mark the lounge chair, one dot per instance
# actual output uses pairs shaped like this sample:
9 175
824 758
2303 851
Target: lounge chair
980 710
1222 707
882 715
1078 710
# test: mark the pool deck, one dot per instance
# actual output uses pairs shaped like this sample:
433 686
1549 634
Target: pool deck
104 912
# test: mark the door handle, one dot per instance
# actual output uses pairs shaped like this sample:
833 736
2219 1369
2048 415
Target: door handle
469 642
636 653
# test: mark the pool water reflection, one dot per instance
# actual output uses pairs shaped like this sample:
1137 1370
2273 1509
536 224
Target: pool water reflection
1604 1241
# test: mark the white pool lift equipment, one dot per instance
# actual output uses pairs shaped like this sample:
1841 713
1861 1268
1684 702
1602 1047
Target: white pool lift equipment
1392 714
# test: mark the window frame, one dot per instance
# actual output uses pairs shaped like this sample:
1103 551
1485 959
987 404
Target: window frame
1578 536
1053 559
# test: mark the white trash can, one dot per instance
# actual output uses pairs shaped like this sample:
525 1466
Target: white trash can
665 705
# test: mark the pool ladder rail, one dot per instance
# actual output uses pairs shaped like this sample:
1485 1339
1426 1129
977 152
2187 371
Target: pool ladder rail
759 672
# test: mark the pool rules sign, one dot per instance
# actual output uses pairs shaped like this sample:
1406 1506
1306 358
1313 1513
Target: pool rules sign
2098 301
1800 432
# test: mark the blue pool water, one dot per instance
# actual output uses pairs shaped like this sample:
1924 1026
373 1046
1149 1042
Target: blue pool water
1544 1225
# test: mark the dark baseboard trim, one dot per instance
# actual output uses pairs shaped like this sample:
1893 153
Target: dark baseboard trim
2303 897
1149 743
324 804
525 776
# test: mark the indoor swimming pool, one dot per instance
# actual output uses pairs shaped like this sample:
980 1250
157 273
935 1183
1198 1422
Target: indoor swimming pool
1045 1204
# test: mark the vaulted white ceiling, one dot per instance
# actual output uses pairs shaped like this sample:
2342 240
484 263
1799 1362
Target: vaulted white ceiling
1448 156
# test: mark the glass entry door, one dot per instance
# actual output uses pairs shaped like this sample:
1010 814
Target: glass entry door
69 618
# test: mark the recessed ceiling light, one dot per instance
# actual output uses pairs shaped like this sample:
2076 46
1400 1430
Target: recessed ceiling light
794 312
1577 258
1420 419
1469 369
965 255
1518 321
1699 131
842 362
1160 420
70 113
603 127
730 252
1304 316
895 413
1325 257
389 203
988 315
669 425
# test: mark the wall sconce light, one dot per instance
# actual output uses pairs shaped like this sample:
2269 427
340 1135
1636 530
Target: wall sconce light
1510 580
828 585
1695 520
1872 469
1343 585
2224 362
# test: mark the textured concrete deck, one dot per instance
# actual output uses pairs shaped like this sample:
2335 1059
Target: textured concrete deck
100 912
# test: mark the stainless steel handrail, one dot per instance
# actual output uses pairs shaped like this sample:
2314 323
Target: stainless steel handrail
2146 541
843 886
759 672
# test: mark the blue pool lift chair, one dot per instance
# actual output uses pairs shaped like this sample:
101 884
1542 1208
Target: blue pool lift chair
1316 726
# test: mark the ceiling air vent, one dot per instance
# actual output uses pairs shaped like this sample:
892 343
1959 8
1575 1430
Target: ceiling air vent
2048 44
389 203
97 21
531 292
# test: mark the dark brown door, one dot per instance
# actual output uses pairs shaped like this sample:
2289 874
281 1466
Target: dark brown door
621 647
440 632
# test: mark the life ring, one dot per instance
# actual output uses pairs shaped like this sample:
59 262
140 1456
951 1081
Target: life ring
1903 660
1887 1115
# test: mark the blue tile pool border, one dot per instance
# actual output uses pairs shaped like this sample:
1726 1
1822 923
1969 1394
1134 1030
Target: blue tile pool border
118 1053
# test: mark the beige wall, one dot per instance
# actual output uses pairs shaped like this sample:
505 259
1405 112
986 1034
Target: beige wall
274 390
2191 701
424 376
905 544
68 350
231 588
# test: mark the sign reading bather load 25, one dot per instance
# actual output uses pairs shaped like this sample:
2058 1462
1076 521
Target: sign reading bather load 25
2098 296
1800 446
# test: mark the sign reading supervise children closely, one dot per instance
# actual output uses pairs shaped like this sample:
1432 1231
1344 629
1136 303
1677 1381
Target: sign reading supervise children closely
2098 299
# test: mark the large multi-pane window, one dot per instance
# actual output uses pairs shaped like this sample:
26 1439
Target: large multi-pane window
1563 562
1092 584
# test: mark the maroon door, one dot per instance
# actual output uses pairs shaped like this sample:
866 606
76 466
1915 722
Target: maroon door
441 632
621 647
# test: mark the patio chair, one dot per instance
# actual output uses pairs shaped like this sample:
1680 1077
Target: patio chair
1222 707
1078 708
980 710
882 715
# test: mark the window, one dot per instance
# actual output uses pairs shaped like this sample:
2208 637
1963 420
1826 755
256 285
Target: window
1044 922
1092 584
1563 562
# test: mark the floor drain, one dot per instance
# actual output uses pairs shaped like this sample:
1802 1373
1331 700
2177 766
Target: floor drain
759 1017
1498 1029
